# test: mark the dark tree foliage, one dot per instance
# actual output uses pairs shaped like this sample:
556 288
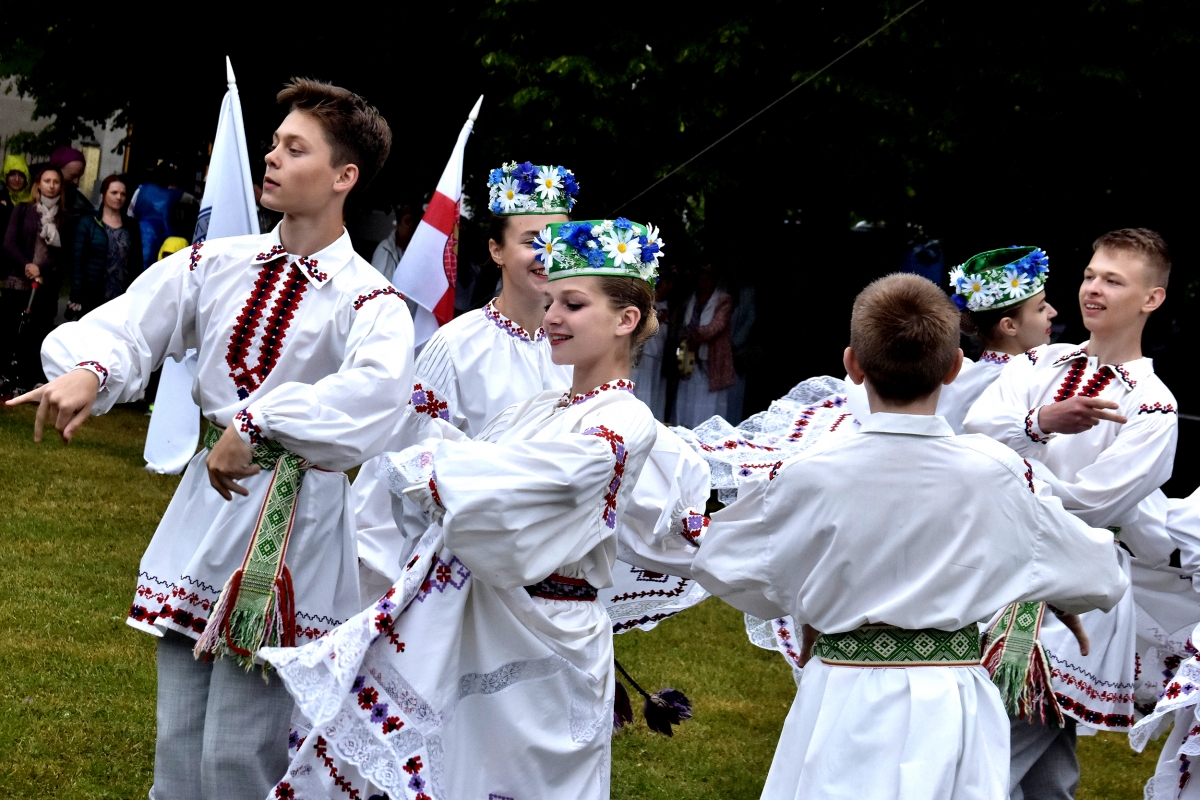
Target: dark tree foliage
985 124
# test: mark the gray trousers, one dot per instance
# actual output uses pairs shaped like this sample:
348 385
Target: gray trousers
1043 764
222 731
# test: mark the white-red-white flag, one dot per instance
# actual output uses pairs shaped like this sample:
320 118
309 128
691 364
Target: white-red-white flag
428 270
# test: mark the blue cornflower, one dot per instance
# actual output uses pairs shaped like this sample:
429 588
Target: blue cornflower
642 240
622 223
496 207
495 176
959 301
649 251
527 185
596 258
570 185
526 170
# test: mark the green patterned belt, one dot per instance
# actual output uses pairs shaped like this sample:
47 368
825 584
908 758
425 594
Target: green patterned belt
256 607
887 646
1018 665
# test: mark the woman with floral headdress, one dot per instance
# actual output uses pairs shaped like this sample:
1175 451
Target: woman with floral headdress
487 669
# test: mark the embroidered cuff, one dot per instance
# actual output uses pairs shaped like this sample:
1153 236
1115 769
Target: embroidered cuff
433 492
693 524
249 428
1032 430
97 369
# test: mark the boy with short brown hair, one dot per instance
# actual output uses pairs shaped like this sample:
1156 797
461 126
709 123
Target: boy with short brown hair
302 348
1100 427
894 544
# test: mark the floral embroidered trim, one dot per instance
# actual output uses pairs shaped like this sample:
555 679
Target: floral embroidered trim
622 385
1032 356
839 421
784 637
425 401
1085 714
1157 408
1029 476
383 619
339 780
1058 362
194 258
511 328
247 426
734 444
807 414
617 443
433 490
560 587
310 266
774 470
1125 376
371 295
746 470
102 372
992 357
1034 437
443 574
276 250
1097 383
695 523
246 326
1071 380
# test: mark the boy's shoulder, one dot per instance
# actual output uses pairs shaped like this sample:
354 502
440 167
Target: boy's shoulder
1050 356
977 446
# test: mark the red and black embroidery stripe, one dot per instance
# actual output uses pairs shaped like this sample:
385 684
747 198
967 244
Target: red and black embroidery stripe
194 258
246 326
1157 408
1071 381
278 323
371 295
1029 475
1098 383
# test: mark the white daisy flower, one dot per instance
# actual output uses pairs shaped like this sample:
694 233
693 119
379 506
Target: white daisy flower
549 184
1015 281
509 195
622 247
956 275
547 249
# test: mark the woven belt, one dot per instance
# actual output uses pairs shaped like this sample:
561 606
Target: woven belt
887 646
256 607
559 587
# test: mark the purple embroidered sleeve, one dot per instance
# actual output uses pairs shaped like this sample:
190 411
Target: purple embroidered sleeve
617 443
97 369
694 523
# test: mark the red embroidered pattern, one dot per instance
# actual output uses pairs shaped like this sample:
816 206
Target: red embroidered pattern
1029 428
246 326
284 791
371 295
1029 475
1157 408
310 266
839 421
1085 714
1129 381
246 425
511 328
1032 356
433 490
425 401
1076 354
618 447
695 523
276 250
784 636
277 324
620 385
1071 380
807 414
194 258
992 357
102 373
734 444
774 470
338 779
1098 383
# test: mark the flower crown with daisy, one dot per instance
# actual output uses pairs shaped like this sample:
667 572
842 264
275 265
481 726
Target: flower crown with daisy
525 189
999 278
614 247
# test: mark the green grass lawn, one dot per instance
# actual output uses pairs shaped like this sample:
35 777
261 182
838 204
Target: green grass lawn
77 688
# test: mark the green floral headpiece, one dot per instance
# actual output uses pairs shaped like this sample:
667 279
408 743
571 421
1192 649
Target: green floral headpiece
527 189
600 247
1000 278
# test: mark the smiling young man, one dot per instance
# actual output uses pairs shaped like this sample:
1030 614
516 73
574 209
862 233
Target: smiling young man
302 348
1104 427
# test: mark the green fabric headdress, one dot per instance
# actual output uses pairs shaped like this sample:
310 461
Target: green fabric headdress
527 189
1000 278
615 247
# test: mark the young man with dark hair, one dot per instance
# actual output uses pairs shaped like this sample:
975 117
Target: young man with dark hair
1100 427
894 544
302 349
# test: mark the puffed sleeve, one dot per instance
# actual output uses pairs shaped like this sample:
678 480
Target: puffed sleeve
345 418
517 511
664 521
126 339
735 560
1005 411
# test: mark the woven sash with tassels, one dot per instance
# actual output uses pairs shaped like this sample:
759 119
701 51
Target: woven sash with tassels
1018 665
256 608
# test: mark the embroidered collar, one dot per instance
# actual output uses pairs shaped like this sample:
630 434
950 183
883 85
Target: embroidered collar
508 326
994 357
321 266
1128 372
620 385
911 424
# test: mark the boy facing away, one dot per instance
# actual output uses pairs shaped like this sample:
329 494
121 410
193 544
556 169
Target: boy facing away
894 544
303 347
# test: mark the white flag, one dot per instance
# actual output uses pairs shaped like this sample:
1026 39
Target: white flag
428 270
227 209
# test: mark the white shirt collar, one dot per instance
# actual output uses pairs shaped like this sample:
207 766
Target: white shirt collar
1128 373
911 424
321 266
